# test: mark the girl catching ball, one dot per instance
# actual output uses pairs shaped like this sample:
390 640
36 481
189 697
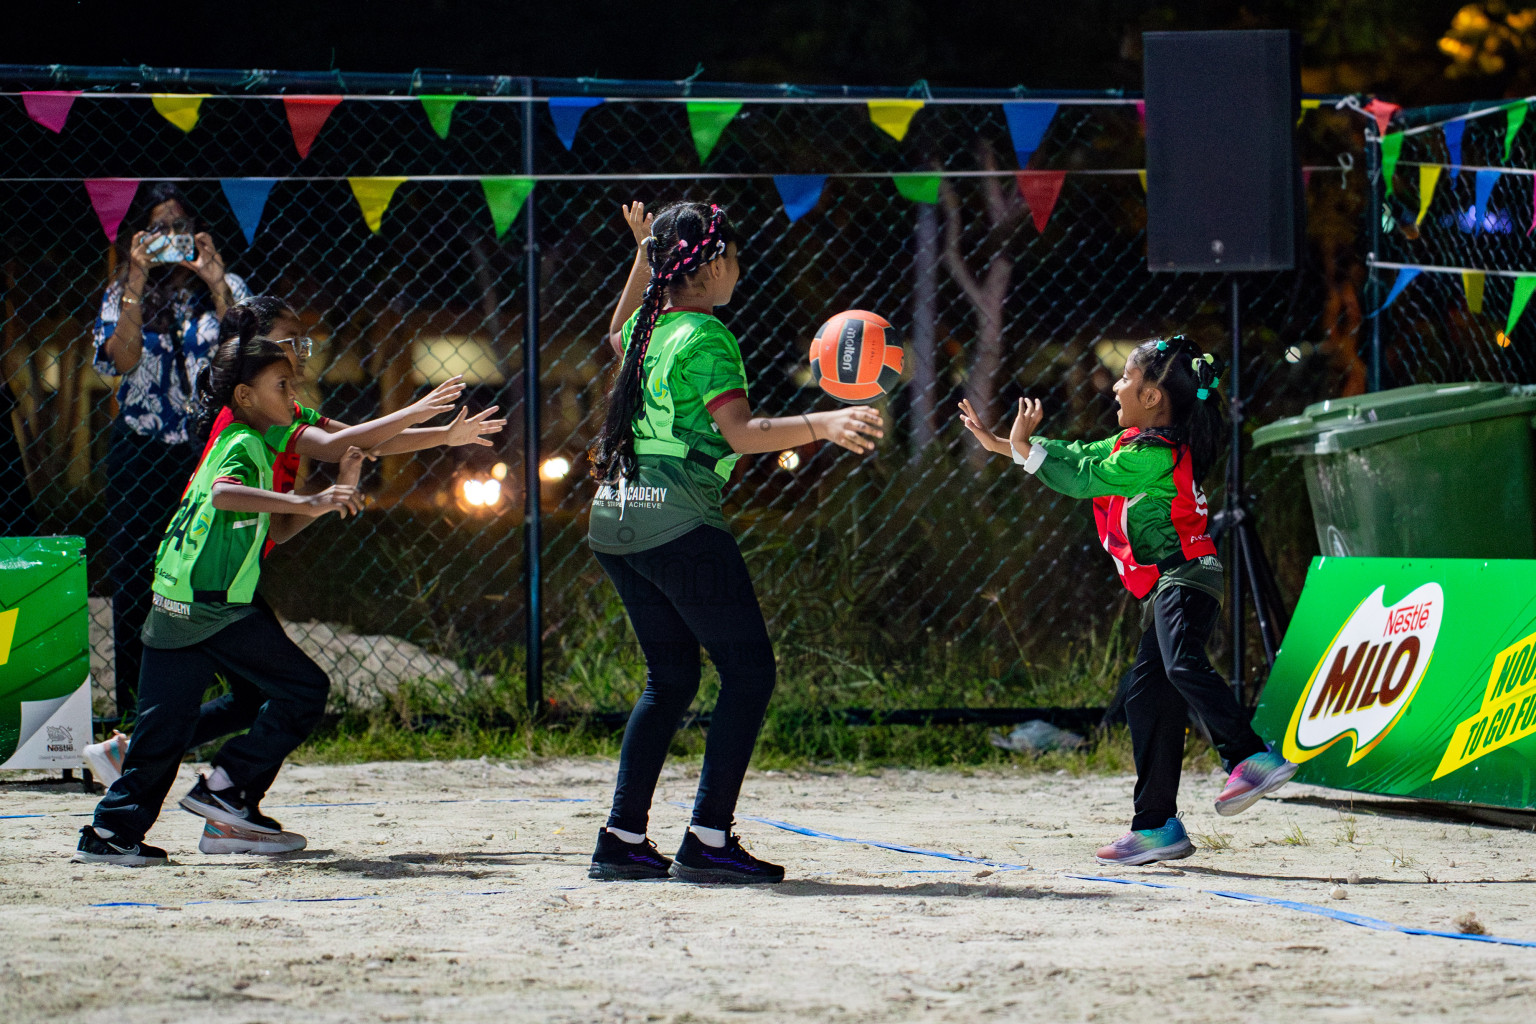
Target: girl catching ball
678 419
1151 516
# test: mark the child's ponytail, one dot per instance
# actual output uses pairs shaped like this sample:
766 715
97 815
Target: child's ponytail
238 356
684 237
1189 379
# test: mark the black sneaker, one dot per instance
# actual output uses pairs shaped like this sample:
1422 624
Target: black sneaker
227 806
95 850
614 860
698 862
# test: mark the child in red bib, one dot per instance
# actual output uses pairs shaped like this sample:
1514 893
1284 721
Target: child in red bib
1152 519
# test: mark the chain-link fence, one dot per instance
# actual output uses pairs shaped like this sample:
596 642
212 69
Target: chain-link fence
921 561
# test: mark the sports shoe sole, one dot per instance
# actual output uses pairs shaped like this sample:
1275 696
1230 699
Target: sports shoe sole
127 860
719 876
1178 851
238 844
1273 781
218 813
623 872
101 766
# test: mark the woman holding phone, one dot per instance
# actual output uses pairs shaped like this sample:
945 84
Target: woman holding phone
158 324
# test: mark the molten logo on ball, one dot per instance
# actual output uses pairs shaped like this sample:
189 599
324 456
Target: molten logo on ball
853 358
1368 675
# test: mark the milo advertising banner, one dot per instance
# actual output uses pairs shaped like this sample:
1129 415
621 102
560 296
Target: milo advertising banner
1412 678
45 689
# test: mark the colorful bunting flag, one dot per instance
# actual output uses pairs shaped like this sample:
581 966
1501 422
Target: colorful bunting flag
1404 279
799 192
1306 178
49 107
894 117
248 198
1027 124
1382 111
1515 114
1307 105
306 116
1485 182
1391 150
439 111
1141 114
1525 284
1453 133
706 120
110 198
505 197
919 188
179 108
1472 283
567 112
373 195
1142 177
1429 175
1039 190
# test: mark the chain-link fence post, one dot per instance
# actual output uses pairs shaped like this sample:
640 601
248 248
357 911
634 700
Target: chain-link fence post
1373 210
532 504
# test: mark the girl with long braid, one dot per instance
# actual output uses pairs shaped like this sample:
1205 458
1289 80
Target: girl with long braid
1151 516
678 419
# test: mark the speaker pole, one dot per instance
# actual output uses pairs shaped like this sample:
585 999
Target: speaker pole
1235 512
1374 201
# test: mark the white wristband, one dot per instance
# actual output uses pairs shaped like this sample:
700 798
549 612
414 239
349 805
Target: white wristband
1032 461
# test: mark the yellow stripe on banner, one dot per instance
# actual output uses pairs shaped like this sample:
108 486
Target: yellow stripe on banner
373 195
179 108
7 633
1429 176
894 117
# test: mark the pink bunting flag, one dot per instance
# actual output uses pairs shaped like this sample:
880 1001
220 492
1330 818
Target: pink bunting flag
1039 190
1306 178
1141 113
1382 111
306 116
49 107
111 197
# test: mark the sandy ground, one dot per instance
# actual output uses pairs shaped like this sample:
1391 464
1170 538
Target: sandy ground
458 892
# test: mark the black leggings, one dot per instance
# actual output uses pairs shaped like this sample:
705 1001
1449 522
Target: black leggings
1172 677
691 591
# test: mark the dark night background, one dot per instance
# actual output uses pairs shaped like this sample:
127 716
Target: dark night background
1393 47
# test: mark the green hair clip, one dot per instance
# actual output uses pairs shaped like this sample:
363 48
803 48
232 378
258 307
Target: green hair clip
1162 345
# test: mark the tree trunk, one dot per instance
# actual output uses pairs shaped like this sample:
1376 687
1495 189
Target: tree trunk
923 390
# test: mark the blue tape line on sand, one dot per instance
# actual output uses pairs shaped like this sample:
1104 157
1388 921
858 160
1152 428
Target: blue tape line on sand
320 899
1305 908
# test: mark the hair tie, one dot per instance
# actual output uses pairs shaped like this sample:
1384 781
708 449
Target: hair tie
1203 393
1215 382
1162 345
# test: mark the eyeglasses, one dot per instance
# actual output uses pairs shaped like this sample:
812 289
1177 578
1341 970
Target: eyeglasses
302 347
178 226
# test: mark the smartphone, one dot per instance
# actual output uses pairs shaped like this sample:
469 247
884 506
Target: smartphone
172 248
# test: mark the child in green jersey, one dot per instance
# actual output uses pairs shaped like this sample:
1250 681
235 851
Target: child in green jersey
678 419
1152 519
205 622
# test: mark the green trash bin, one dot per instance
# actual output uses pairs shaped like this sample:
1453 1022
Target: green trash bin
1428 471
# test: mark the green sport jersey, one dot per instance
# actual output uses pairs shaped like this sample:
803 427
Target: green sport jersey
209 561
692 367
1147 506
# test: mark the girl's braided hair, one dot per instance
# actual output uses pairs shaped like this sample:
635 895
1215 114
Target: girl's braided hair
242 351
684 237
1189 378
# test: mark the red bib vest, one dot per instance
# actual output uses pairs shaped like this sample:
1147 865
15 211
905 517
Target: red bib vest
1190 520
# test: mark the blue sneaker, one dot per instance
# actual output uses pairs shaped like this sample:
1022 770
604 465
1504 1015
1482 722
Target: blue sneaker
1251 779
1145 845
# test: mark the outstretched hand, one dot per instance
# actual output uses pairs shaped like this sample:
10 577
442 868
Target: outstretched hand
466 429
638 220
1026 423
439 400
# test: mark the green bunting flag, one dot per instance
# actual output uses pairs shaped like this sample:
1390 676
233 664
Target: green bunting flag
179 108
440 112
1429 176
373 195
1525 284
1516 114
706 120
919 188
505 197
1391 149
1472 281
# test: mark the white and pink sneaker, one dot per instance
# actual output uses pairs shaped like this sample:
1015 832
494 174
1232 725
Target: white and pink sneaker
1253 778
106 758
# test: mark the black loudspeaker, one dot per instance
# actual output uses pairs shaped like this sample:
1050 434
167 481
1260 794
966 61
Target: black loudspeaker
1223 183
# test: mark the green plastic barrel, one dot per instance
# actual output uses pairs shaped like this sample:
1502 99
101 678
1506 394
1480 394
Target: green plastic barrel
1428 471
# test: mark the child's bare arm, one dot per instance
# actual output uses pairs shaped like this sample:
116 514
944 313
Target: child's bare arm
286 527
639 223
464 429
331 446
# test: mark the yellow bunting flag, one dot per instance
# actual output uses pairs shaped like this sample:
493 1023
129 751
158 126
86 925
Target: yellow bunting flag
1473 282
1142 177
179 108
1429 176
1307 105
373 195
894 117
